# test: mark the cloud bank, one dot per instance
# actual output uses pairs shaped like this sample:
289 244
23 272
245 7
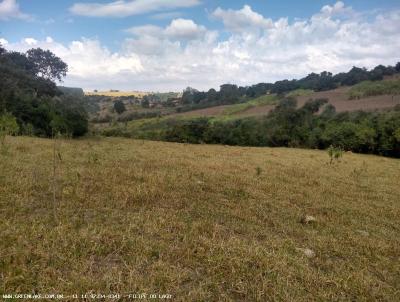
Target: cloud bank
257 49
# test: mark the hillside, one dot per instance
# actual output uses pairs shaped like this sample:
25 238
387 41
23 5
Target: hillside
199 222
341 98
338 97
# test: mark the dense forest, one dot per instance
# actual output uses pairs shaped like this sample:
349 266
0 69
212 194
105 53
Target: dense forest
29 95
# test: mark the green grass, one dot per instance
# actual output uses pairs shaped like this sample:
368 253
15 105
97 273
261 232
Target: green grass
260 101
300 92
264 100
237 108
369 88
198 221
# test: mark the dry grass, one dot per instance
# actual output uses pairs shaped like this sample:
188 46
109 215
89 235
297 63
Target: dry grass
117 93
202 223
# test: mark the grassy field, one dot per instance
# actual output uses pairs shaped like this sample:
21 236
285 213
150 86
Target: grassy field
300 92
232 111
257 102
369 88
199 222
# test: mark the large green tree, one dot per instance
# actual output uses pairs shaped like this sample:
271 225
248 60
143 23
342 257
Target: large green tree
28 92
46 64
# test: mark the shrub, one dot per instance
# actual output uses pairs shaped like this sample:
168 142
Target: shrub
8 126
131 116
335 153
119 107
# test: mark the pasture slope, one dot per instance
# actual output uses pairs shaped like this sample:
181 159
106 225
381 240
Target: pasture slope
339 97
199 222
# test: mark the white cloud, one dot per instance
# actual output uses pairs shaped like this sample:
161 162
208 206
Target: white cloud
185 29
123 8
3 42
240 20
337 9
9 9
187 54
178 29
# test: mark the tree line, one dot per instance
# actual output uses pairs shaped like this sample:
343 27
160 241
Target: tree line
231 94
29 94
288 126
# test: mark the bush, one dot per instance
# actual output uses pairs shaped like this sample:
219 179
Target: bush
350 136
103 119
8 126
131 116
335 153
119 107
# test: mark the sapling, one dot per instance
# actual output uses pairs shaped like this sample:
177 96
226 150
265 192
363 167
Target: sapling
335 153
8 126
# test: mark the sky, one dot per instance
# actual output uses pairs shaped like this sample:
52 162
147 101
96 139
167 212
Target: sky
168 45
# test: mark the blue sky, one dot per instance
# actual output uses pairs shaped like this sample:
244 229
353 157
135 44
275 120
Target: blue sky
53 18
167 45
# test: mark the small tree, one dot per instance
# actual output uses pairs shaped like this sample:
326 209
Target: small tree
119 107
397 68
145 102
8 126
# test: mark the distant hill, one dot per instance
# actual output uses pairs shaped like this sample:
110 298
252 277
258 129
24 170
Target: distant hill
377 95
117 93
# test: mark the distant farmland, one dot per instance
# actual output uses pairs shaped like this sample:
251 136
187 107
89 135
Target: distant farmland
339 97
118 93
